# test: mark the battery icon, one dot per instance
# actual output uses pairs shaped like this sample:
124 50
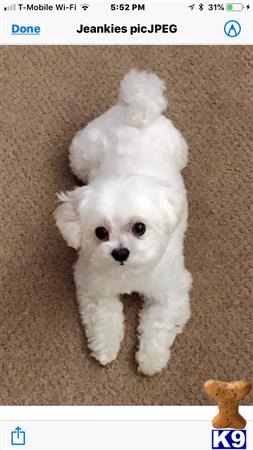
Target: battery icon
235 6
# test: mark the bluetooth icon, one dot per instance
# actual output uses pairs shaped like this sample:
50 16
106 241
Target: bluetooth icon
201 6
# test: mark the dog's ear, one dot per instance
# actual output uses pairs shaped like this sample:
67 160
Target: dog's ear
173 207
67 215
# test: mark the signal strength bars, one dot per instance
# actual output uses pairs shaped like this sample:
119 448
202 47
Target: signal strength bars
10 7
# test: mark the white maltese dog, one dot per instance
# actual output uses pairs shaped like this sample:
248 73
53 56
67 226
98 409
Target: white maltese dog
128 223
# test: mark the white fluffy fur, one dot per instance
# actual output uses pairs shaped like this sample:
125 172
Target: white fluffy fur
131 158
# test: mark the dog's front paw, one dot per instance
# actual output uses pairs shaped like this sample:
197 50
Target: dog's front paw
105 356
104 327
150 363
105 347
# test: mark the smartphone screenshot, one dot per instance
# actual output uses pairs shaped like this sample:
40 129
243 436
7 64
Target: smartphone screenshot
126 225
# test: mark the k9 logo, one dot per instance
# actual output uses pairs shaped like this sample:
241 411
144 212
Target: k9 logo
228 439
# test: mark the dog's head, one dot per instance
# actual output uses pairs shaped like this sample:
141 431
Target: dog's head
126 222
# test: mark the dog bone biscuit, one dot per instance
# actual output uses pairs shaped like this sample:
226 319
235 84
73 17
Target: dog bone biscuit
227 396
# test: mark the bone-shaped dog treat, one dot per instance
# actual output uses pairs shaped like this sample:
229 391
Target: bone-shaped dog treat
227 396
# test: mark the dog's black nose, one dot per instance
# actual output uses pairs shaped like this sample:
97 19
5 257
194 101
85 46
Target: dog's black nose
120 254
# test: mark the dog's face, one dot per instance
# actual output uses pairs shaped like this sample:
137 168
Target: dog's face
122 224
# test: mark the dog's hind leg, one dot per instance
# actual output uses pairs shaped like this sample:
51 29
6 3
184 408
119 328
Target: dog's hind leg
84 154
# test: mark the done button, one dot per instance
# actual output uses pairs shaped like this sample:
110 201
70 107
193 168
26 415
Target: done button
25 29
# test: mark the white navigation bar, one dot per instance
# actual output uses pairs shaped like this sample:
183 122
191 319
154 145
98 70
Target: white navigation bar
126 23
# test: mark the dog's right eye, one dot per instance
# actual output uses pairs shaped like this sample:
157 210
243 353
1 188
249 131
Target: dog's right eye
102 233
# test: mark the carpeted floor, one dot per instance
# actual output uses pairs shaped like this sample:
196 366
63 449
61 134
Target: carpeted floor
50 92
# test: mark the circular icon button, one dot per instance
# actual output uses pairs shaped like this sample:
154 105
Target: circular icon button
232 28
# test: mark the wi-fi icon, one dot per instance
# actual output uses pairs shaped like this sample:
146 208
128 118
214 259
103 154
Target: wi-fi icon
85 6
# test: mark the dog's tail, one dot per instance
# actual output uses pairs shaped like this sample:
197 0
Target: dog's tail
143 95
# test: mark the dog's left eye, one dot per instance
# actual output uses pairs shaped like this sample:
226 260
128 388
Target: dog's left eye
102 233
138 229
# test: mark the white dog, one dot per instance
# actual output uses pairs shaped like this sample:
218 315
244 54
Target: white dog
128 223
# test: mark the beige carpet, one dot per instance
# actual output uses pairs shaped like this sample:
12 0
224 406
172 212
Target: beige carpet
48 94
